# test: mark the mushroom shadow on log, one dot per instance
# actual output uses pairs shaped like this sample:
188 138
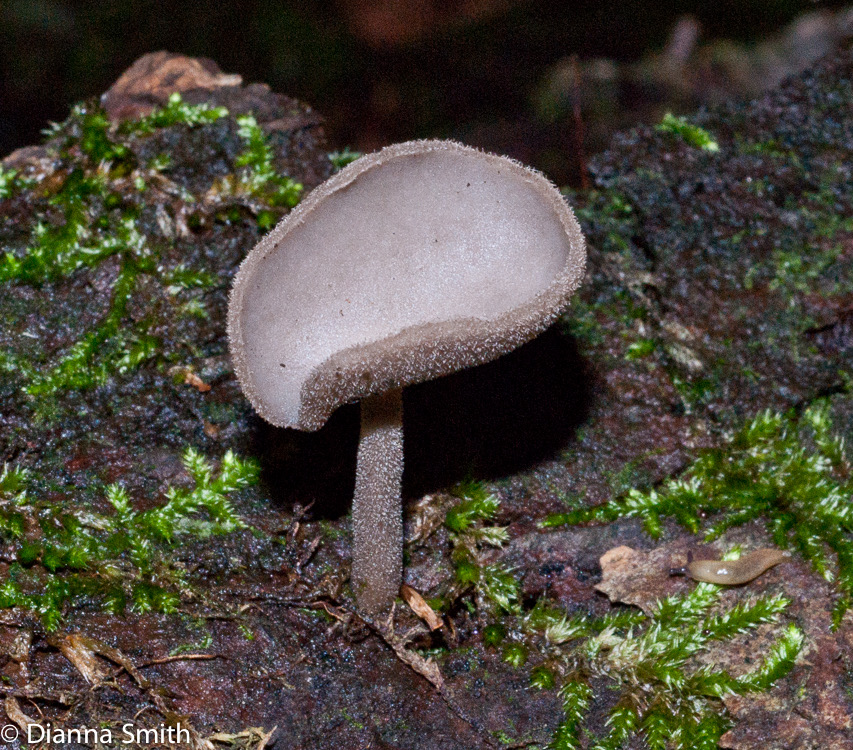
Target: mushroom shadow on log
496 419
486 422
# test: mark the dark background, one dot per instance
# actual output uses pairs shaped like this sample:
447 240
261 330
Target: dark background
389 70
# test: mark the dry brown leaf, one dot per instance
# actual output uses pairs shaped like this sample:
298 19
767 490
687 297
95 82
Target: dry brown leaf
427 668
426 516
636 577
420 607
153 77
115 656
82 651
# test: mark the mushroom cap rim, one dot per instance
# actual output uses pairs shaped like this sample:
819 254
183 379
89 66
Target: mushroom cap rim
343 377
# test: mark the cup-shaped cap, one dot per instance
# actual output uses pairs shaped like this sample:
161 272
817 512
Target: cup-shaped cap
419 260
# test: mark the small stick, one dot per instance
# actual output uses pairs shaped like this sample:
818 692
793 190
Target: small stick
181 657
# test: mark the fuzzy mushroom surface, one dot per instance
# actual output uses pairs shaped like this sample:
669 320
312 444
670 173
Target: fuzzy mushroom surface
411 263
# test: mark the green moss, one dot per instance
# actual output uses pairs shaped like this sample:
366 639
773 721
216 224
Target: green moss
351 721
340 159
506 739
331 531
789 471
689 133
160 163
499 585
769 147
93 215
260 175
93 228
266 220
89 129
59 250
183 277
469 535
543 678
9 182
494 634
203 641
116 559
558 628
697 392
581 321
467 572
797 271
664 696
477 505
12 496
813 261
826 209
641 348
515 654
176 112
98 354
608 215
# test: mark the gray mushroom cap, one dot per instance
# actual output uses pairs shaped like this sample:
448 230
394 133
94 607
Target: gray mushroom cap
419 260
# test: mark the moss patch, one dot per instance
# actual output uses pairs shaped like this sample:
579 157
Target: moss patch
661 694
788 471
95 211
65 555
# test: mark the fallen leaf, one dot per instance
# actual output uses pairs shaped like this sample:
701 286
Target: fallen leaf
636 577
420 607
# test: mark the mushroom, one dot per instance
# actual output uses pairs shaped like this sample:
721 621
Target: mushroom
411 263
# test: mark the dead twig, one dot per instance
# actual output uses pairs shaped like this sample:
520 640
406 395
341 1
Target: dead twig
308 554
180 657
29 693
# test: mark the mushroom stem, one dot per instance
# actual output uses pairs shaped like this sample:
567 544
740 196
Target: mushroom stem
377 513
